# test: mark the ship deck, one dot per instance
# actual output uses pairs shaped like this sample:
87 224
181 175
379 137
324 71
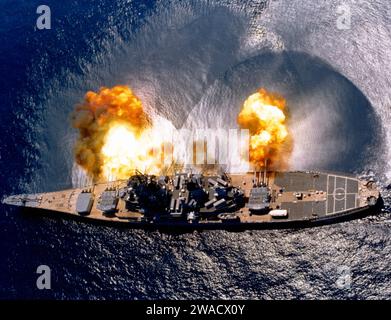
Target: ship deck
306 196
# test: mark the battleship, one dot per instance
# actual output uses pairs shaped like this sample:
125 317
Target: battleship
255 200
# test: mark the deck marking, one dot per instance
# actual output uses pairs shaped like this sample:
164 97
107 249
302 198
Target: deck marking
335 182
327 195
338 192
346 194
346 188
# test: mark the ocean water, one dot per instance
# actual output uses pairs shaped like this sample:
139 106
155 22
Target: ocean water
193 63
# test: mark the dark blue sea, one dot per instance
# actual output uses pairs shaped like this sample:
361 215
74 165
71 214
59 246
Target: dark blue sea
193 63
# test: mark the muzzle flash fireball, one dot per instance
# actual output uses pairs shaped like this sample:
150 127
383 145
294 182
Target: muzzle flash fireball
263 115
115 135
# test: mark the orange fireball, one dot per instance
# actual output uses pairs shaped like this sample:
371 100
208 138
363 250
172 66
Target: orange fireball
115 136
263 115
